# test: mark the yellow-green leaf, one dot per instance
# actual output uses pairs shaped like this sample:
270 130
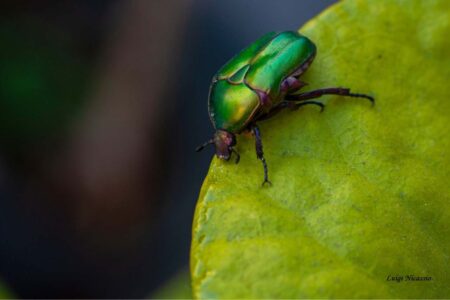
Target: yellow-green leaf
360 194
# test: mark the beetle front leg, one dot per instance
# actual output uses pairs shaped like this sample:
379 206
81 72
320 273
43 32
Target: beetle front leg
238 157
260 153
327 91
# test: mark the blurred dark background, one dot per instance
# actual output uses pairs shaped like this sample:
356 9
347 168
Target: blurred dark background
102 104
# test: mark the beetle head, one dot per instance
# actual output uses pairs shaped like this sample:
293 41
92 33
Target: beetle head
224 141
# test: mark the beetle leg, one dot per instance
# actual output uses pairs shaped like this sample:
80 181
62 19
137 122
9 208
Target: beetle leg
273 111
260 153
295 106
327 91
238 157
290 104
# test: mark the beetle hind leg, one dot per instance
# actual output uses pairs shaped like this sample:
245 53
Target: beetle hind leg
295 106
328 91
288 104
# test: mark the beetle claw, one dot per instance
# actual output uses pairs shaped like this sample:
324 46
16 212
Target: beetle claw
266 181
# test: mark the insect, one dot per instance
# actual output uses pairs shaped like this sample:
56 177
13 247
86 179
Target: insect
256 84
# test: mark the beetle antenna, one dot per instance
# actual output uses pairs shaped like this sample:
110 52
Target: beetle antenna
200 148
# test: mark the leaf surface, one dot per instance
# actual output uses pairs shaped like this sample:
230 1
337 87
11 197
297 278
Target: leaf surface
360 194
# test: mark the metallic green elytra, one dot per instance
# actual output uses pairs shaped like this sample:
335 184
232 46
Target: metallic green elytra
256 84
234 97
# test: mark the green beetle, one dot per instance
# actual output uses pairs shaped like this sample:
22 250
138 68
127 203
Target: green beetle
256 84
